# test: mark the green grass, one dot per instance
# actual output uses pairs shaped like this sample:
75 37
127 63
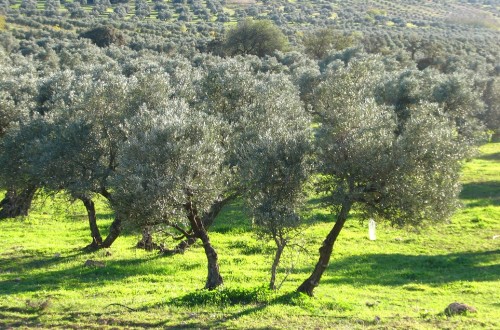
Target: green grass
405 277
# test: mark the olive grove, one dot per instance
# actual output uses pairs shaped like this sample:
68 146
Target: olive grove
170 121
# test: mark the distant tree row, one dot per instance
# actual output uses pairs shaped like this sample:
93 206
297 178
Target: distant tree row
342 14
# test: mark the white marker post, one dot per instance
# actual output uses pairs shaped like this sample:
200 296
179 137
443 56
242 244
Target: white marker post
371 230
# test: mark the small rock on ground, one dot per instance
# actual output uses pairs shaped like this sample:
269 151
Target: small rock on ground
457 308
94 263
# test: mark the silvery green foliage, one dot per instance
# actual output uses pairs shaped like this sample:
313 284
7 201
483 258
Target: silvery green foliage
269 138
273 170
491 117
75 143
273 154
18 85
172 155
423 184
269 144
405 171
270 141
225 88
79 153
456 94
247 101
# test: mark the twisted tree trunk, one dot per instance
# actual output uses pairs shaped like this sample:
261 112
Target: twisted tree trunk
280 246
207 220
17 202
94 229
325 251
147 243
214 279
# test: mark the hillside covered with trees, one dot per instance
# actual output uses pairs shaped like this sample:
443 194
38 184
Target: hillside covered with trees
167 114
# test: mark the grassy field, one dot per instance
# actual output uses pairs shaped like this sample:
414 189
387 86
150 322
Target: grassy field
404 279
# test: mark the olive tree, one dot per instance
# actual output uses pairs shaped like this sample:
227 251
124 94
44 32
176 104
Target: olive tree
491 117
273 162
274 169
230 91
404 171
18 85
456 94
73 144
258 37
170 171
317 43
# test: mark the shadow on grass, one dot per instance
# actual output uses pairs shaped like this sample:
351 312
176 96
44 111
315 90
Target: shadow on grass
495 156
400 269
371 269
33 261
250 301
25 318
77 277
21 321
488 193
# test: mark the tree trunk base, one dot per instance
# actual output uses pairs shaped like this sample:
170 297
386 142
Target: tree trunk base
16 203
92 247
147 243
307 287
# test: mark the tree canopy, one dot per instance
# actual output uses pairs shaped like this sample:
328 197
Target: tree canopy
251 37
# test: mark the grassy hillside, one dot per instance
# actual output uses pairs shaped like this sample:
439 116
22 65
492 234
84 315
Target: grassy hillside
403 280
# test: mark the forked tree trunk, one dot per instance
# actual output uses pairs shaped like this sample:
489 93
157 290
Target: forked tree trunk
16 202
280 246
207 220
94 229
325 251
214 279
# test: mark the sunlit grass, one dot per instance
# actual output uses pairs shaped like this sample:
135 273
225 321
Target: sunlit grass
406 277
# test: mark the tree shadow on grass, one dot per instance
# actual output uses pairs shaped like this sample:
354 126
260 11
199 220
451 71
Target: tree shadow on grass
488 193
249 300
34 261
26 318
76 277
494 156
400 269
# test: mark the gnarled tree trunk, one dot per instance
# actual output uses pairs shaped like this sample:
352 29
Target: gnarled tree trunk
207 220
146 241
17 202
325 251
280 246
214 279
94 230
